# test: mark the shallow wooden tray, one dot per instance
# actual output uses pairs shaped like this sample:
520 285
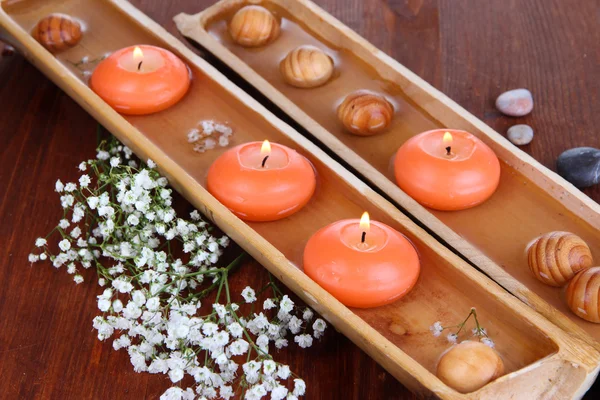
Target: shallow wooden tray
530 201
541 360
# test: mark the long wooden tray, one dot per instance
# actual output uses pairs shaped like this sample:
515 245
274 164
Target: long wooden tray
530 201
541 360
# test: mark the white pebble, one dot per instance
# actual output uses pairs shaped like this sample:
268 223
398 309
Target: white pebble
520 134
516 103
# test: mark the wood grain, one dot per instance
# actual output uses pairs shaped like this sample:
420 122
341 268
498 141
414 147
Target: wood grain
50 351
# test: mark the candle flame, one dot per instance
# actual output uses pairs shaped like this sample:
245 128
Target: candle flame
447 139
138 54
265 149
365 223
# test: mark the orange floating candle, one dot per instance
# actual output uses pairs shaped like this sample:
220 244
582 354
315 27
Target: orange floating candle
141 80
447 169
262 181
363 264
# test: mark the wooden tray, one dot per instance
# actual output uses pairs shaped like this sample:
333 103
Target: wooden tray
530 201
541 360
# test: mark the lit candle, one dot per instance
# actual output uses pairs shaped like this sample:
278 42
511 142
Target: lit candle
141 80
262 181
362 263
447 169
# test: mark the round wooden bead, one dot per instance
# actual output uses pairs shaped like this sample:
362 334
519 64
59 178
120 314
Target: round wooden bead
57 32
307 67
583 294
469 366
365 114
556 257
253 26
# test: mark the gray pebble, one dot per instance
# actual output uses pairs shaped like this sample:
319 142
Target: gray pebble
520 134
516 103
580 166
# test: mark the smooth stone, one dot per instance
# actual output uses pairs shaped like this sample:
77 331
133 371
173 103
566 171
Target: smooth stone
580 166
516 103
520 134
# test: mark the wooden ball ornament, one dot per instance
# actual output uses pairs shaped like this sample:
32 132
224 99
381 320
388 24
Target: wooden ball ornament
469 366
583 293
306 67
365 114
556 257
57 32
253 26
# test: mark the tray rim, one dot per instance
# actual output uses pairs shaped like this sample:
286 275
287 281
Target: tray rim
411 373
453 239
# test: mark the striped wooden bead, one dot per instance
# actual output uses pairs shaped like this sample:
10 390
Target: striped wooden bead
307 67
253 26
583 294
57 32
556 257
365 114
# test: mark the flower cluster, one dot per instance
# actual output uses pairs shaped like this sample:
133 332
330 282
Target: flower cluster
155 269
478 332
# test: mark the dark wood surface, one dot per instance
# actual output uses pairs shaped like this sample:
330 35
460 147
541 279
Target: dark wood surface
472 50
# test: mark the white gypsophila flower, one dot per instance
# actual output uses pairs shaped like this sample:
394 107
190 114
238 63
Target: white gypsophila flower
488 342
82 166
133 220
64 244
436 329
269 304
40 242
283 372
295 324
115 161
64 224
78 279
75 233
307 315
58 186
93 202
78 213
452 337
151 164
70 187
84 181
319 326
279 393
102 155
269 367
43 256
299 387
33 258
249 295
304 341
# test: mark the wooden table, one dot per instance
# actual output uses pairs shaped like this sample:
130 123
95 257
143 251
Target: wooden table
471 50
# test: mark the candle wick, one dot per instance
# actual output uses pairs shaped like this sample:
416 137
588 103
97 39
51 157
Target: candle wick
264 161
449 150
364 236
140 65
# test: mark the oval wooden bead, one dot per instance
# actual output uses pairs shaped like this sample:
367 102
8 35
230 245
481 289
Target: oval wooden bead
556 257
583 294
307 67
253 26
57 32
365 114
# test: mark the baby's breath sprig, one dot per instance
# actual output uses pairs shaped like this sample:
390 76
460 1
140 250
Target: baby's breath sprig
156 269
478 331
